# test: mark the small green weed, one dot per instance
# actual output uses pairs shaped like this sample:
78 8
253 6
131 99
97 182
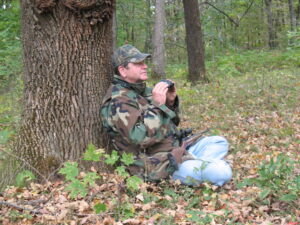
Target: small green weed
199 217
24 177
276 179
15 215
99 207
79 185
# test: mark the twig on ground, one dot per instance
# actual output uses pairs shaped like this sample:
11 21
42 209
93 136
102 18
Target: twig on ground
35 202
19 207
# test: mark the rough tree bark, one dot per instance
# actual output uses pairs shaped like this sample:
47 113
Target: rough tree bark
114 30
67 47
195 43
158 56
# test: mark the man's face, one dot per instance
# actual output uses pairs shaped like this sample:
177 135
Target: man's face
134 72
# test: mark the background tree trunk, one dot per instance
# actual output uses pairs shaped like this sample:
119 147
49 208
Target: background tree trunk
292 15
271 26
195 42
148 25
67 49
298 14
158 56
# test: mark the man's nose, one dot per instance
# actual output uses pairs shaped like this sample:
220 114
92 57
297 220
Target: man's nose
144 65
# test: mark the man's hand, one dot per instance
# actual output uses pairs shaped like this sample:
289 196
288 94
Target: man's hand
164 95
171 95
178 153
159 93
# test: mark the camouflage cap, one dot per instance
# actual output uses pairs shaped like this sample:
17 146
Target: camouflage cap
128 54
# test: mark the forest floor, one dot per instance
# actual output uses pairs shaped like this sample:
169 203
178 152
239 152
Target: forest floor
259 113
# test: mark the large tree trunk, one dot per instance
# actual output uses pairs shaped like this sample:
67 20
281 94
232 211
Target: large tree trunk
271 25
194 39
114 30
158 56
67 49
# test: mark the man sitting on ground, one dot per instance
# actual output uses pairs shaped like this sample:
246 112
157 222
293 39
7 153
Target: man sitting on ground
143 121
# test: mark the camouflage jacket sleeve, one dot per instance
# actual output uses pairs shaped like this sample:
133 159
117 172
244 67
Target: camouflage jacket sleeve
142 126
175 108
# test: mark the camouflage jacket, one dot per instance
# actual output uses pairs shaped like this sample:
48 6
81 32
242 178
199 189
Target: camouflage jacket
138 125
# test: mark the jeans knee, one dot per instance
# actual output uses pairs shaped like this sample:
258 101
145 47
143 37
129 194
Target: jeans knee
220 140
217 172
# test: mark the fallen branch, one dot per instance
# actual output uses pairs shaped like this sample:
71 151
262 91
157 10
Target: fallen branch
19 207
35 202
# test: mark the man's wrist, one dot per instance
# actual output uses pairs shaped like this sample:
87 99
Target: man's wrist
170 103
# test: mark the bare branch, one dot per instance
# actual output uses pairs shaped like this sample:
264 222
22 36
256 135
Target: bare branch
236 23
247 10
225 14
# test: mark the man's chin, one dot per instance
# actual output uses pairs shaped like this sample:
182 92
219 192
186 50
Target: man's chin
144 77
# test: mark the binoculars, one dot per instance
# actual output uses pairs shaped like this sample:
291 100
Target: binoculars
170 83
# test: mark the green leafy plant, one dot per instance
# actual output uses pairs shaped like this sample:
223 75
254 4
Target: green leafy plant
125 210
277 179
294 39
24 177
99 207
133 182
112 159
77 186
199 217
93 154
126 159
70 170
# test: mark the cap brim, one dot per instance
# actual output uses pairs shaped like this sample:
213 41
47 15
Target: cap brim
139 57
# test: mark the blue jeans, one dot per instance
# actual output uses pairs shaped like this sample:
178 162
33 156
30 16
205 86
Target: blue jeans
208 165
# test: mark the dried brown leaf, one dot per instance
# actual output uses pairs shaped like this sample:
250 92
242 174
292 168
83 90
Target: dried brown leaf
132 222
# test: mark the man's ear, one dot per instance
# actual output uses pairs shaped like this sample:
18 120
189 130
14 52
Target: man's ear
122 71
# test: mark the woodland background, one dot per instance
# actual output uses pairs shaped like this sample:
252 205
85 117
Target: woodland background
252 62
